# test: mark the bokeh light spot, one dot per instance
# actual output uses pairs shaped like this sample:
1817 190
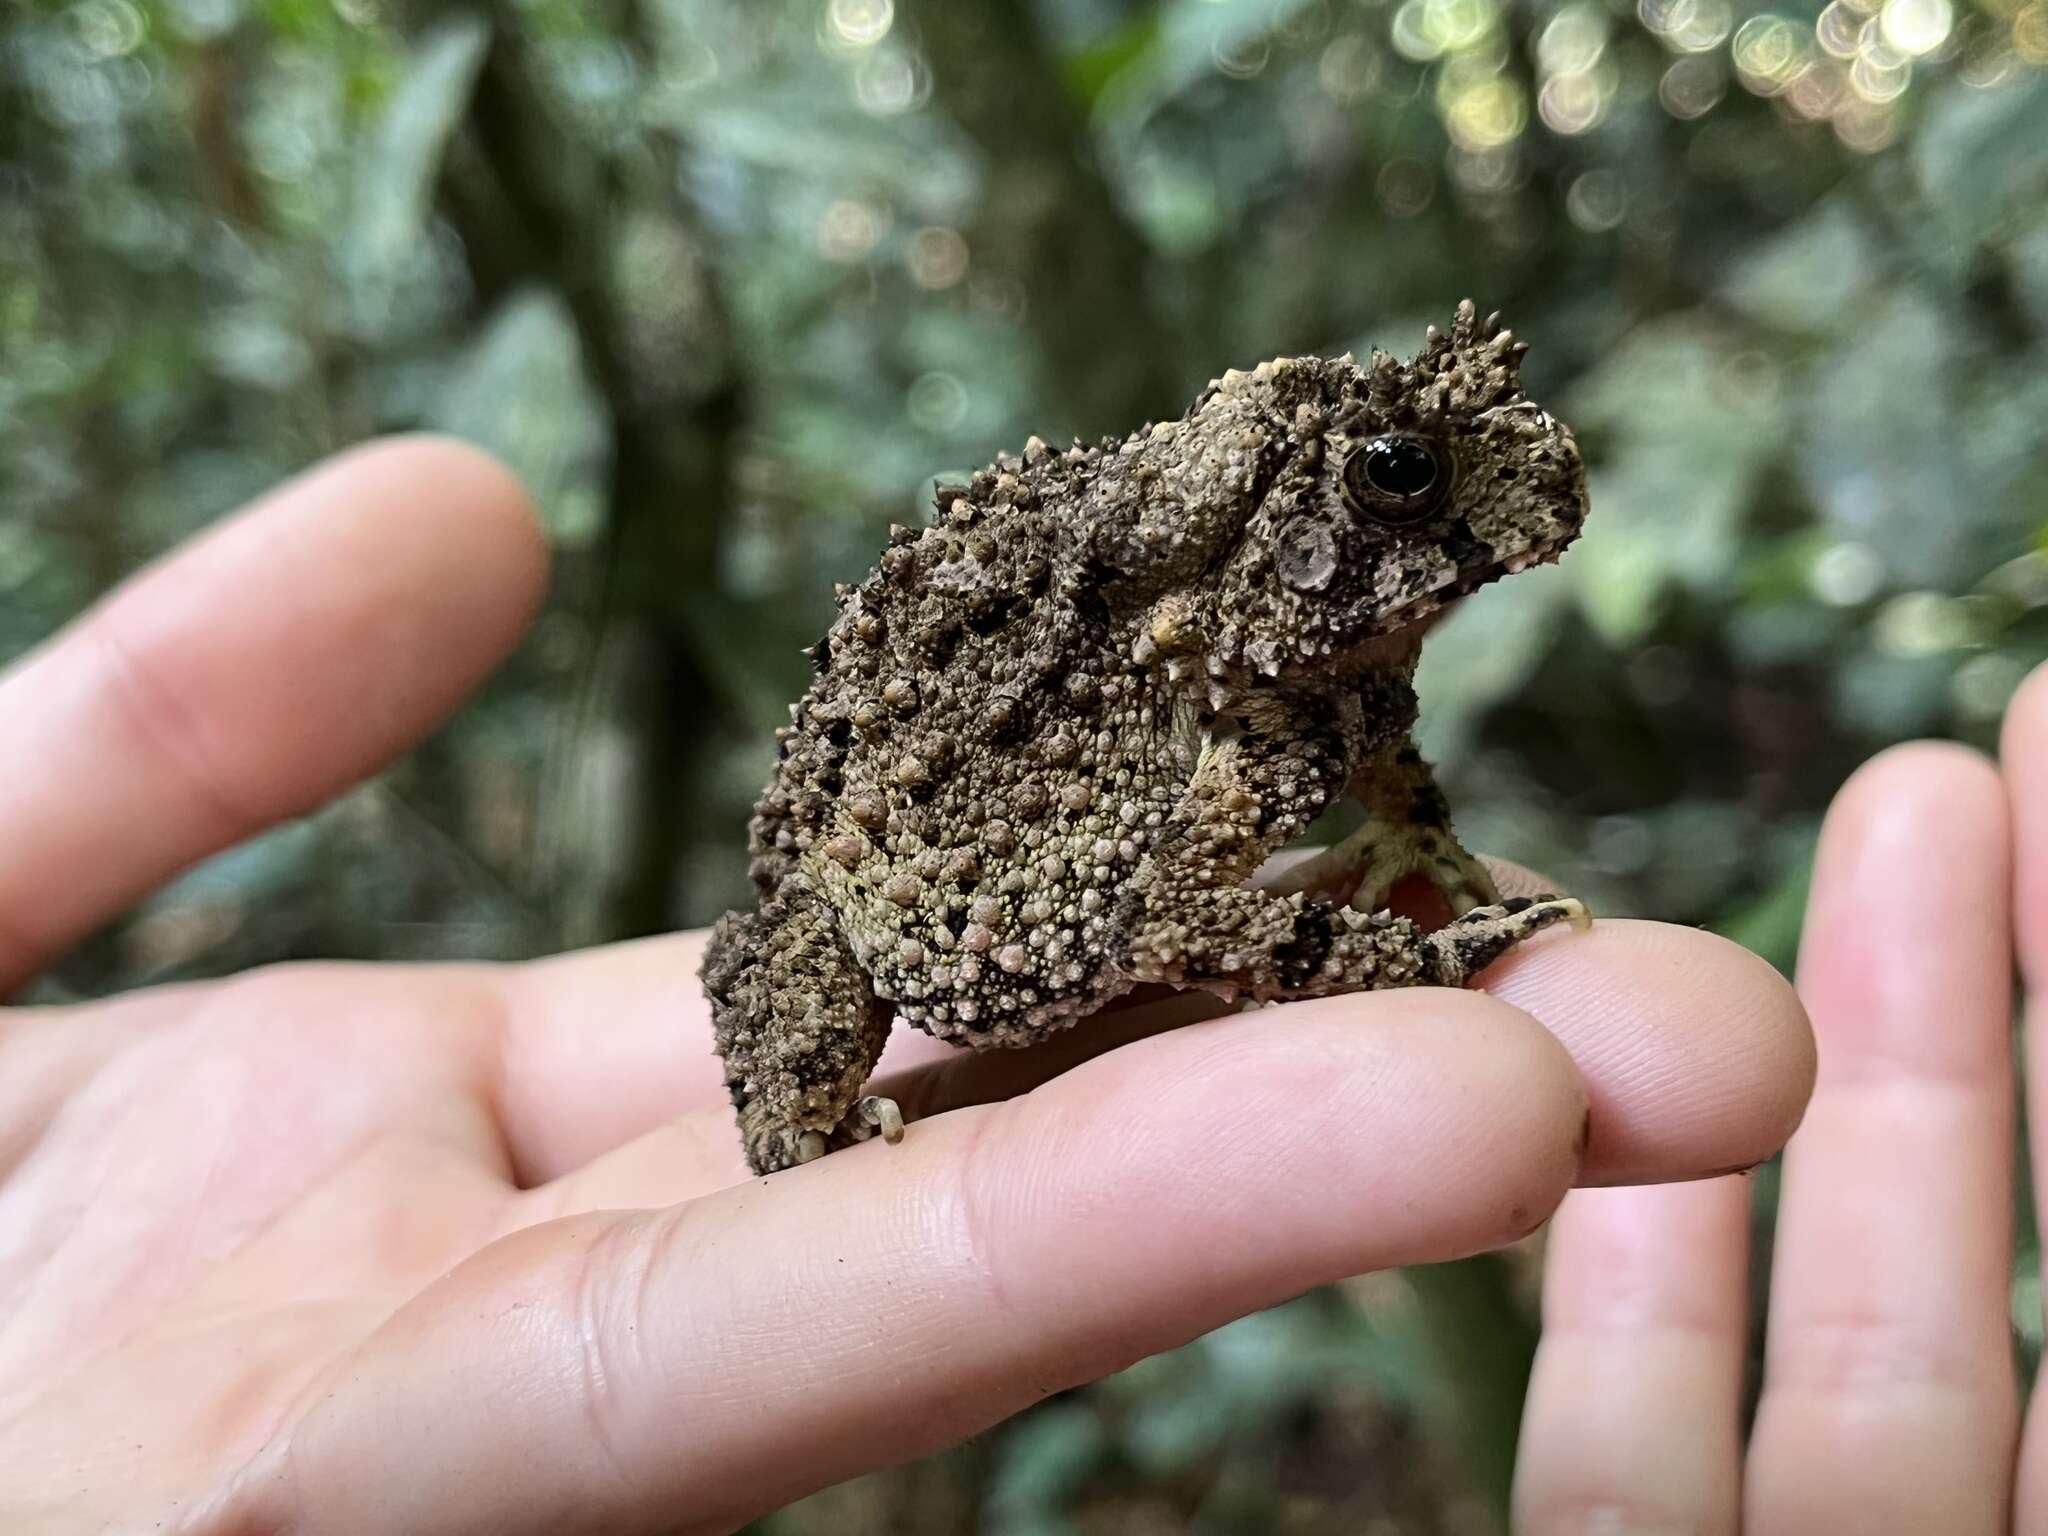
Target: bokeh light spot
859 23
1692 86
849 230
1917 27
1769 54
1880 80
1569 104
1846 575
107 29
1596 201
1349 69
1838 30
1242 58
890 81
1573 41
1405 187
1865 126
936 257
936 402
1482 113
1687 26
2030 33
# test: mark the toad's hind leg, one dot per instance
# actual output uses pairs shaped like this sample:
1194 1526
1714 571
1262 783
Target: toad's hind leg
799 1028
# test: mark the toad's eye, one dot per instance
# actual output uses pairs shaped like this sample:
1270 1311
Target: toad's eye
1396 480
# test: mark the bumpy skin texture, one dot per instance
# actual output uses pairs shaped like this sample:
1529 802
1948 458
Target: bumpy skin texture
1053 734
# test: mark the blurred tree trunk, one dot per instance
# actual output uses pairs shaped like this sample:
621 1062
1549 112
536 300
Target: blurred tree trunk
1048 218
535 202
1482 1345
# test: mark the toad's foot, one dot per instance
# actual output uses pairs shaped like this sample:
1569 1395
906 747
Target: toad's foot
869 1114
1468 944
1380 854
773 1144
1432 853
883 1114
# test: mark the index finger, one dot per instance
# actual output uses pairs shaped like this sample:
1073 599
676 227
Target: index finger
284 655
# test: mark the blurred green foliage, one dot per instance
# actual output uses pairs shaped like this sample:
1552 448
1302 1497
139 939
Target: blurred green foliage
729 282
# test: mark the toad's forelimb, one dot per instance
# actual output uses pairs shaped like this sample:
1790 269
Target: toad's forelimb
1189 918
1406 831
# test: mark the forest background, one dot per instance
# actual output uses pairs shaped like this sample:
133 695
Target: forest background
730 283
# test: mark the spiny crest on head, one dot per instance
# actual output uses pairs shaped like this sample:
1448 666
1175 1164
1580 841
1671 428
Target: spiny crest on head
1477 366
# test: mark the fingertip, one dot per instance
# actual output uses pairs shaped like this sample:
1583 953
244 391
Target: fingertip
1771 1049
1909 918
1920 829
1357 1132
1918 779
482 507
2026 719
291 650
1697 1053
1927 818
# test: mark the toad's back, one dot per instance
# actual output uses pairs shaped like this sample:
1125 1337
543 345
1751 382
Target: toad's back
978 764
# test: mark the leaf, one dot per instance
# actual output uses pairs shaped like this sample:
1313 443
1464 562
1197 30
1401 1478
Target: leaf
520 391
2029 255
394 179
1092 69
1688 440
1983 155
1883 452
1466 670
1810 277
1046 1456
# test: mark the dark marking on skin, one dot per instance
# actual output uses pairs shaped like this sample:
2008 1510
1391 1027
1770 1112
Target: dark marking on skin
1737 1171
1427 809
987 618
1302 956
1515 904
941 641
1464 550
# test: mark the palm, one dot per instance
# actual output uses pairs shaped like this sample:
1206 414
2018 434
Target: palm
363 1248
266 1190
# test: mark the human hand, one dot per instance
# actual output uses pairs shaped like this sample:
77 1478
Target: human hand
457 1248
1888 1397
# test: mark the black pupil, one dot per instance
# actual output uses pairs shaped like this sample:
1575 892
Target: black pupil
1400 467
